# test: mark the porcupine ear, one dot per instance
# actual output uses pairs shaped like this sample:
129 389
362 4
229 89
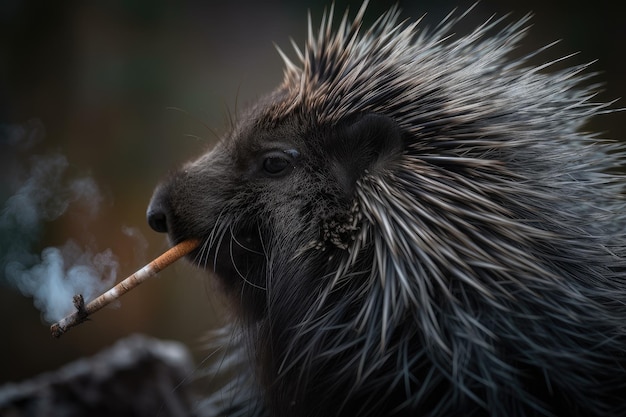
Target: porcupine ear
363 144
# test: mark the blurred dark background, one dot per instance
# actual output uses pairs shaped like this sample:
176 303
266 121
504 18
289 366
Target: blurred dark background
127 90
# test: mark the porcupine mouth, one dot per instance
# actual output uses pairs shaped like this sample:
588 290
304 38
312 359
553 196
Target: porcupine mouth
233 257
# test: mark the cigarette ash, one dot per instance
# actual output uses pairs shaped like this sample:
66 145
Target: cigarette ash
38 191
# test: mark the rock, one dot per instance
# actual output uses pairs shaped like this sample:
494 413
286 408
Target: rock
138 376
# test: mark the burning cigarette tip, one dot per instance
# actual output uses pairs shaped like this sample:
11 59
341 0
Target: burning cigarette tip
79 316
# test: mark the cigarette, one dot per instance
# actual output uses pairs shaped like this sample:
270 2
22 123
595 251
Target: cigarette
150 270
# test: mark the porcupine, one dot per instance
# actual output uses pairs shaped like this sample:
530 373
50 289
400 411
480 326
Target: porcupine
414 224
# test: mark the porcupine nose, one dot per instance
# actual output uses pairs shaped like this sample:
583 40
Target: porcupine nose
157 211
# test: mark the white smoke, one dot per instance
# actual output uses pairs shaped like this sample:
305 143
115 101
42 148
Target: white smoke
141 244
41 192
60 273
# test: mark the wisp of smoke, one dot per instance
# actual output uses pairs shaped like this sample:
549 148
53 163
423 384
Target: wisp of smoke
41 193
60 274
141 244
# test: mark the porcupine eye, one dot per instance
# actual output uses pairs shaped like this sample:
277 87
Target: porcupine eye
279 163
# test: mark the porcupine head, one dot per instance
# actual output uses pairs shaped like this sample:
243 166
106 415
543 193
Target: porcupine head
411 224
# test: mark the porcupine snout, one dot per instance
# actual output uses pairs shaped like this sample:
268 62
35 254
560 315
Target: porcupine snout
158 211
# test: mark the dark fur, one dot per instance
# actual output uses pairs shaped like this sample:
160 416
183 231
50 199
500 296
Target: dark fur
409 226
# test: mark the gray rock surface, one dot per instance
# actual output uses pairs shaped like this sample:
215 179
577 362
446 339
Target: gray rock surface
138 376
